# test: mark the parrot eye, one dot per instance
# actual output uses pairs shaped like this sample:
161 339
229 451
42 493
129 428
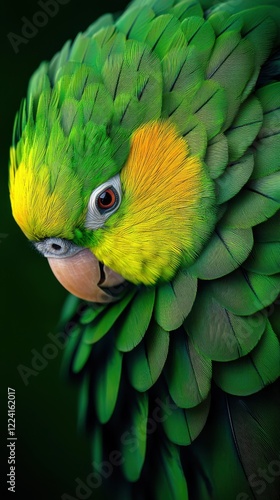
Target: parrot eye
103 202
107 199
56 247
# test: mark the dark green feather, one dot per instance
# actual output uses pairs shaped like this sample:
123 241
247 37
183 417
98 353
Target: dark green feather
172 303
217 156
187 8
267 146
199 34
107 385
99 327
244 128
134 325
245 293
219 334
187 372
145 363
225 252
253 372
169 481
239 443
265 259
102 22
234 178
209 106
231 65
183 426
135 22
134 439
258 201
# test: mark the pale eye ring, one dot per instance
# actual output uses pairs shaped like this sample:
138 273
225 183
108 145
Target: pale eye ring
103 202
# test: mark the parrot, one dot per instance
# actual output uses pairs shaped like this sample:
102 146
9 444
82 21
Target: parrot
145 166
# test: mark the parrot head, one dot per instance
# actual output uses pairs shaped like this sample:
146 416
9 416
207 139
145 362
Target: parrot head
107 202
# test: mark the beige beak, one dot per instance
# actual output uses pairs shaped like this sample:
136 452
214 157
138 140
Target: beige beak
84 276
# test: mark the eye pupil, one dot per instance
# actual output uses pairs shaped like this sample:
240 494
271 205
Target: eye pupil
107 199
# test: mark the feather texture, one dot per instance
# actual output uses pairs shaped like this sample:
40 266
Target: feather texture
188 373
219 334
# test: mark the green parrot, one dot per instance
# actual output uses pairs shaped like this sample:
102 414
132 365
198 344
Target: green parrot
145 167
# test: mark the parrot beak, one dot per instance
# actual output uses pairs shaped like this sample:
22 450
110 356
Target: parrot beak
87 278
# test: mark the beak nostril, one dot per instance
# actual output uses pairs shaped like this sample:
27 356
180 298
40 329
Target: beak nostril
55 246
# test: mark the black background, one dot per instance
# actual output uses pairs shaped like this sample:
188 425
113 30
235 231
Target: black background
50 452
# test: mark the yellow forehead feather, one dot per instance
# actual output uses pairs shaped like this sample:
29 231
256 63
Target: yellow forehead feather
39 211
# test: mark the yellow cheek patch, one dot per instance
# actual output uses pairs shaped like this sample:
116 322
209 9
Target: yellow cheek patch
163 216
38 211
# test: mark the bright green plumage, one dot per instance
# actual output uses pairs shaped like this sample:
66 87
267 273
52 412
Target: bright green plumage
174 375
